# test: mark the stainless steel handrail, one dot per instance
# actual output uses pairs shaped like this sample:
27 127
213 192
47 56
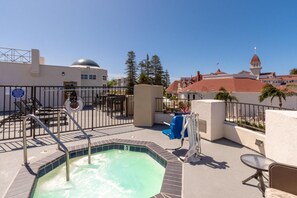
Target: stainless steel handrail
78 126
51 134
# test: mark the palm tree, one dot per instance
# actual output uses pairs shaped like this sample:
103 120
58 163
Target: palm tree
270 91
225 95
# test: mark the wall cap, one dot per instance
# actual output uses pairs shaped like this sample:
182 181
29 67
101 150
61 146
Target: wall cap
146 85
288 113
211 101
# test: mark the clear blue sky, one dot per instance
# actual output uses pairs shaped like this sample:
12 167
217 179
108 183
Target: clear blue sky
188 35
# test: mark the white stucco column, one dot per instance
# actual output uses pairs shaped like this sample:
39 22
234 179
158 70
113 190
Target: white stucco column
281 136
144 103
35 62
211 118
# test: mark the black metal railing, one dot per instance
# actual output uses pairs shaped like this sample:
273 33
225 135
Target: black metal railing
247 115
103 106
166 105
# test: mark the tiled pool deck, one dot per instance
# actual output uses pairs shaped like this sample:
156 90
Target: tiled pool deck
218 174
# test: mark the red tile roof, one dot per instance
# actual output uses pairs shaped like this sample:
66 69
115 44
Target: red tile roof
230 84
173 87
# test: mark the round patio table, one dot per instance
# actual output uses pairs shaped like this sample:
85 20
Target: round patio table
258 162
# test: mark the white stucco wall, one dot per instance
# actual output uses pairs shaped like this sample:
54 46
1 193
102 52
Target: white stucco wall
205 95
94 71
36 74
213 112
19 74
144 103
49 75
160 118
281 136
244 137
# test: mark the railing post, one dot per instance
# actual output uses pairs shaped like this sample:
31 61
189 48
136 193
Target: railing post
174 105
237 112
92 108
85 134
226 113
67 166
89 152
59 127
25 143
127 99
34 109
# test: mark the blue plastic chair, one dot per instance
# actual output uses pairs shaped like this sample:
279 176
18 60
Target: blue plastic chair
176 126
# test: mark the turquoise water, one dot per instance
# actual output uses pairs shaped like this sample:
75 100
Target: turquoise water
113 173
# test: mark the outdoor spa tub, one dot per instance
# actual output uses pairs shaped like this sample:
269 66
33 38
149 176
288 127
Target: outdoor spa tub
119 168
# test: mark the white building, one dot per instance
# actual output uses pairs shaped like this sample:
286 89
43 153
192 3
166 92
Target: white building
27 68
121 82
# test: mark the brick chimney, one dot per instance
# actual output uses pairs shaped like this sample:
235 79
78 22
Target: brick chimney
199 76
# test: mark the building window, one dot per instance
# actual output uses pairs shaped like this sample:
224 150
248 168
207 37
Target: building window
193 96
104 85
104 77
92 77
84 76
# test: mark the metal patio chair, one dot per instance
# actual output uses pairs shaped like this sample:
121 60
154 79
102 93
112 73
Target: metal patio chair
45 115
38 105
282 181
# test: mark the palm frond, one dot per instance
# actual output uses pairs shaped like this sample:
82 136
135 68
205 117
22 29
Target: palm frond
224 95
270 91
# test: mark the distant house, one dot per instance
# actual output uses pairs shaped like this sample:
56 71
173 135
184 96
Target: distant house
178 85
282 80
121 82
173 87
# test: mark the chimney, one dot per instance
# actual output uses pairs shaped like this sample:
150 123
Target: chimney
199 76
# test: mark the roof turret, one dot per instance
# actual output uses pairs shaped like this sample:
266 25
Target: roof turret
256 61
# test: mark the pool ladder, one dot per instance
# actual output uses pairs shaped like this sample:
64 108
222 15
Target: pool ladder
57 139
78 126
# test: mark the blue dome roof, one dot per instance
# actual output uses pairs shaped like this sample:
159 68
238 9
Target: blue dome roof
86 62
